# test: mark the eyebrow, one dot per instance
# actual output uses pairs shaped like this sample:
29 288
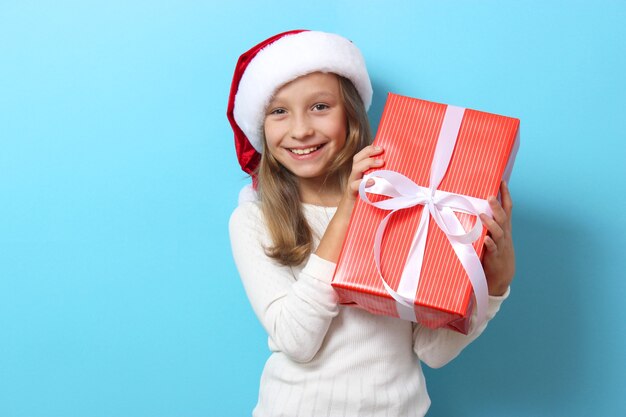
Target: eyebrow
323 94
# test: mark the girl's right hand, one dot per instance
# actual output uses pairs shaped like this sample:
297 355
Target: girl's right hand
368 158
332 241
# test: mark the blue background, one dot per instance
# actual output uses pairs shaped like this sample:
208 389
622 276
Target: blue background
118 293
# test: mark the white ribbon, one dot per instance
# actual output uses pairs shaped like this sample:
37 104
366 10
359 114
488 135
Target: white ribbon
441 205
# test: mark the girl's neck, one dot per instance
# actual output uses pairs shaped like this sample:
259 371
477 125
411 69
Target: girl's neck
326 194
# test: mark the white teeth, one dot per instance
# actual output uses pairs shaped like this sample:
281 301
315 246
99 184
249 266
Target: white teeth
305 151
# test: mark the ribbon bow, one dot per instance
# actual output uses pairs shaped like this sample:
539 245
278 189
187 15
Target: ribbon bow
440 205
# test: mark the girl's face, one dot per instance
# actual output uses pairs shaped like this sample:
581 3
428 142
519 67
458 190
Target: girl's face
306 125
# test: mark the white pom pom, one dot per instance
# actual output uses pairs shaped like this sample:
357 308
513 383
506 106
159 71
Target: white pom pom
247 194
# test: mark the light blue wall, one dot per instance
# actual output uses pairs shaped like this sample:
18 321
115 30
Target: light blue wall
118 295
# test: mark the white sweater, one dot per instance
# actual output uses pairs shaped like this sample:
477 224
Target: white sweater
327 359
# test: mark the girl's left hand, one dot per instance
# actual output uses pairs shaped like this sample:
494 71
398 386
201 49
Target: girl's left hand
499 257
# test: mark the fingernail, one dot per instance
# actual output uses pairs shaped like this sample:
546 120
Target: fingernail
378 148
379 161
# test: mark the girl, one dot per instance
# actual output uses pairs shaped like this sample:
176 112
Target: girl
298 109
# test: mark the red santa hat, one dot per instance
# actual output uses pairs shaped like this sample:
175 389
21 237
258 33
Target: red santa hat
273 63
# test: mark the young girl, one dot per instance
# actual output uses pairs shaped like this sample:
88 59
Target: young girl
298 109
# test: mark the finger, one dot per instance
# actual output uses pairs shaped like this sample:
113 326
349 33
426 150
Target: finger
507 202
499 214
367 152
490 245
495 230
354 185
359 167
365 164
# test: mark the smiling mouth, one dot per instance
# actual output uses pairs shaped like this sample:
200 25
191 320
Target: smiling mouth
305 151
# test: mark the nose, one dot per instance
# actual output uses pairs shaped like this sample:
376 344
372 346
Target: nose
301 127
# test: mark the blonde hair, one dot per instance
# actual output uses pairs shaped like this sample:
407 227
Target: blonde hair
291 237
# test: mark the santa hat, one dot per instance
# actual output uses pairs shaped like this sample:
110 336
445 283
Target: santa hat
275 62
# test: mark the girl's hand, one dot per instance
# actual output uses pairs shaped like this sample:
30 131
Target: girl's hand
367 158
499 257
330 245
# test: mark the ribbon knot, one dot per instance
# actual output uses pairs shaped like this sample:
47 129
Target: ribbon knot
432 205
403 193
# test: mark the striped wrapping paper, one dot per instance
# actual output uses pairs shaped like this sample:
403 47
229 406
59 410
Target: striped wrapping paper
482 157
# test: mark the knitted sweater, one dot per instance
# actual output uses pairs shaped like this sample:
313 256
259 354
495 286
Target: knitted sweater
327 359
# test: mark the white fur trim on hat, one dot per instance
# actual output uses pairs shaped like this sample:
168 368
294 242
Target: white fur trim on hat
285 60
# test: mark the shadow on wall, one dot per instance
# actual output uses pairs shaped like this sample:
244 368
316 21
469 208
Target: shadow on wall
528 362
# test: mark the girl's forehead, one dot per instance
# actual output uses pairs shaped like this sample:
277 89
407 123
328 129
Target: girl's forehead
317 83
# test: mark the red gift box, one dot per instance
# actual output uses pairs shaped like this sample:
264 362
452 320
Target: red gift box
481 150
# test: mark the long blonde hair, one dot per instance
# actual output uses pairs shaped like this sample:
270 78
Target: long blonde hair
292 240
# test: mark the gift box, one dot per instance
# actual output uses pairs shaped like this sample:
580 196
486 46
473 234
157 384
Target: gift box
414 243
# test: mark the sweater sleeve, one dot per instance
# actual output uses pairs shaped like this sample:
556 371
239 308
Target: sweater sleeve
437 347
296 311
